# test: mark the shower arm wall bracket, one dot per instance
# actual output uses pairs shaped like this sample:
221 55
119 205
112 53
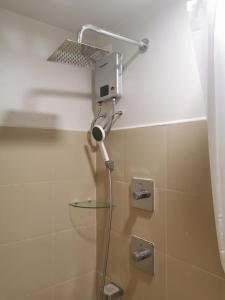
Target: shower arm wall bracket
143 44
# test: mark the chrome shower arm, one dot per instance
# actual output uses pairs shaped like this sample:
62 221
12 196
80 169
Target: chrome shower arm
143 44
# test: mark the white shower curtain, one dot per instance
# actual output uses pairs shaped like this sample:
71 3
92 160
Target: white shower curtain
208 28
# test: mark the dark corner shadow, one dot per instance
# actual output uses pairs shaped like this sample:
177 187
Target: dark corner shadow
38 126
90 161
89 149
92 145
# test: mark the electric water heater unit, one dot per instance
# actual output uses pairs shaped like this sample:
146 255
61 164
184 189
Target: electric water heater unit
108 77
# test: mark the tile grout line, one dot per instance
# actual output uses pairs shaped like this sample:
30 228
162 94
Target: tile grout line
52 286
168 123
196 267
38 237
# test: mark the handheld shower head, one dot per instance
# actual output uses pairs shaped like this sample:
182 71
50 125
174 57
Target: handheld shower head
98 134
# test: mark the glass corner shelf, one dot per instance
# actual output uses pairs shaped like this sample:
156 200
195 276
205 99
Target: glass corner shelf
90 204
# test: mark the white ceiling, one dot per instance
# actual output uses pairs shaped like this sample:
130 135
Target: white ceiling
71 14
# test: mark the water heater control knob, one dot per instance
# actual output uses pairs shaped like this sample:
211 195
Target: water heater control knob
142 194
139 255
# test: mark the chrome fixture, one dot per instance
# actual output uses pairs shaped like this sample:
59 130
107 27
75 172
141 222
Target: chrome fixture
142 254
77 53
143 44
112 291
98 134
142 193
80 55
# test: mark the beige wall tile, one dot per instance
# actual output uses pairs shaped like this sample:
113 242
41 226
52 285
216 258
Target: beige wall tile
82 287
25 267
25 211
145 154
46 294
176 157
191 234
187 158
26 155
63 159
73 159
43 171
13 215
120 199
6 287
38 207
31 155
186 282
74 253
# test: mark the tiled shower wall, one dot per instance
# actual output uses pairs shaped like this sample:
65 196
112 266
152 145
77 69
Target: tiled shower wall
182 225
47 250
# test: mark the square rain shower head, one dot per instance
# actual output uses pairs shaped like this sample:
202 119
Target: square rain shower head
77 54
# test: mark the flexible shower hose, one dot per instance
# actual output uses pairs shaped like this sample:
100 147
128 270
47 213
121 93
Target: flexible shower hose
108 236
